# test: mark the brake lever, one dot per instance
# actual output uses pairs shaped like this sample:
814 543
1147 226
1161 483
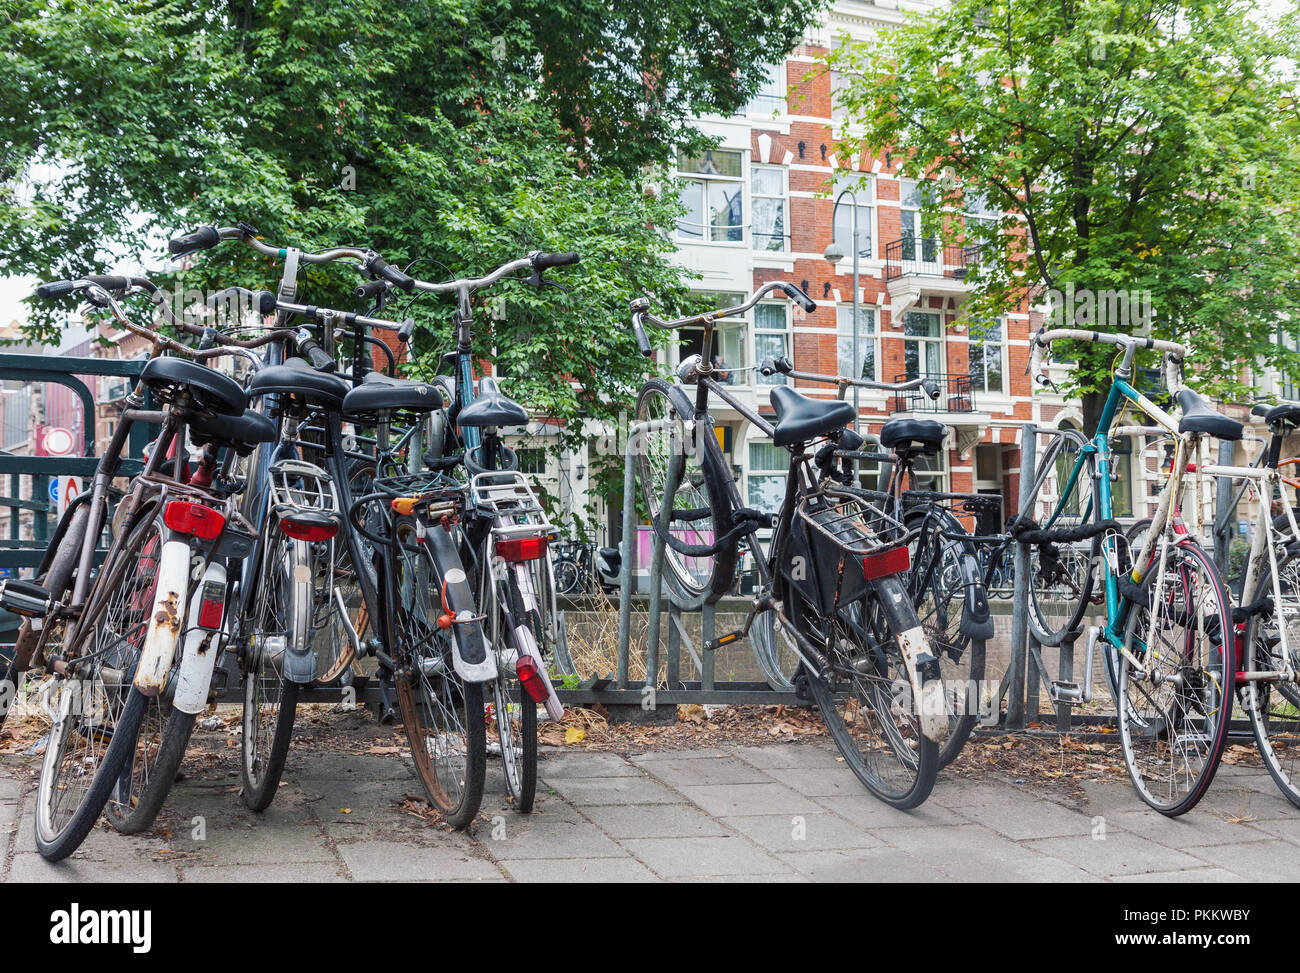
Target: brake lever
540 281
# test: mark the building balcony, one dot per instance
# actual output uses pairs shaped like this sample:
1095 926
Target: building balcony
916 266
955 407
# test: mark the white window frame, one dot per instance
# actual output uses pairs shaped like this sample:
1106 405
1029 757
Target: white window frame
982 343
784 199
865 190
705 232
728 333
923 341
770 100
785 334
925 249
867 338
778 472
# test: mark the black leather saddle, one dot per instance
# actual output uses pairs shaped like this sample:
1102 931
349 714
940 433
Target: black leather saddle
1199 416
491 408
382 393
924 435
240 433
1283 412
296 377
799 418
209 390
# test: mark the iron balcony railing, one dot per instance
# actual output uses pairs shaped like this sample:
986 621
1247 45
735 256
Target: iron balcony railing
928 257
956 394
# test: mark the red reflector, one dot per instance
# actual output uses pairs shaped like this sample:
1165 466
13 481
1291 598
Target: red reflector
521 548
531 678
896 560
309 532
210 614
193 518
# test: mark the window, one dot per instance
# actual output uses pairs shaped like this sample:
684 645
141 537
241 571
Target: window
768 467
979 211
932 471
923 347
729 336
839 84
868 344
986 358
532 461
769 100
768 191
865 191
912 196
771 339
1287 387
713 193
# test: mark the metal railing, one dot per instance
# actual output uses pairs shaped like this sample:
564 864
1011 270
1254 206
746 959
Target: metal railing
956 394
928 257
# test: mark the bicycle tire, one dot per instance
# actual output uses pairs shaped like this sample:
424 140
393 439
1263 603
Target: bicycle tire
1142 729
705 484
567 576
939 601
514 712
128 818
1059 592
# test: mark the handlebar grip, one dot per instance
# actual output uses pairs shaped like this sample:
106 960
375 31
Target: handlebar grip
54 288
263 301
382 268
371 289
203 238
931 389
110 282
641 340
316 355
541 261
797 295
405 332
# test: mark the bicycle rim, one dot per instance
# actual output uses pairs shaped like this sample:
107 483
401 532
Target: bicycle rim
1272 707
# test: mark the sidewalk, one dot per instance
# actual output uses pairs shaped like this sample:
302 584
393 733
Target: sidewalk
786 812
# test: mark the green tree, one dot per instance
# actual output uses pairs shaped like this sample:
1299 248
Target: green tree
454 133
1138 146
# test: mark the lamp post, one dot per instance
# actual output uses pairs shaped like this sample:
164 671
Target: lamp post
834 254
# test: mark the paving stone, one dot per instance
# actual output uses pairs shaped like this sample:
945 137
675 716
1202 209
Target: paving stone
800 832
862 865
1236 802
820 781
673 857
1199 875
723 770
724 800
868 813
521 838
1016 814
1197 827
1254 861
784 756
350 766
28 866
578 870
10 788
707 753
584 791
974 853
1114 856
339 800
255 842
654 821
269 872
557 765
1288 829
393 861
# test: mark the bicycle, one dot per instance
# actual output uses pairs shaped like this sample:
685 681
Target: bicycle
133 645
1168 613
945 581
834 576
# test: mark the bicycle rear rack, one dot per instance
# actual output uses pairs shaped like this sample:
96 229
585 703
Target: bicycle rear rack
848 519
508 499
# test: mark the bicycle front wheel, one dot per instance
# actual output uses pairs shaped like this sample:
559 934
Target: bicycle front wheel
1176 680
699 498
1060 575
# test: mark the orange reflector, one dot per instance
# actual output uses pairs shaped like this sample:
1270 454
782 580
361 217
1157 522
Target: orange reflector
404 505
896 560
521 548
194 519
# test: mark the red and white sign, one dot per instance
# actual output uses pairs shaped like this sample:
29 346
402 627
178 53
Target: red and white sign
54 441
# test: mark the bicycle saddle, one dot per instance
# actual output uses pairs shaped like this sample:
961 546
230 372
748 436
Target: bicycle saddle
799 418
491 408
381 393
296 377
240 433
209 390
911 434
1283 412
1199 416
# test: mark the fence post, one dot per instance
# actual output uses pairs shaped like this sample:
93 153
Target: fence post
1020 599
1224 521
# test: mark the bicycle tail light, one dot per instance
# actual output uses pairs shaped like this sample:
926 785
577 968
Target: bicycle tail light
521 548
882 564
193 519
310 525
530 677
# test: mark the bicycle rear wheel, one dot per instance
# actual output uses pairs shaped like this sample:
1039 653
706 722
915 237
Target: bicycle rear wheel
99 711
701 498
443 715
1060 575
880 739
937 586
1175 709
514 712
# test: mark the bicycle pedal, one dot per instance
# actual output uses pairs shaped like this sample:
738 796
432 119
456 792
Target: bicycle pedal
1065 692
713 644
24 598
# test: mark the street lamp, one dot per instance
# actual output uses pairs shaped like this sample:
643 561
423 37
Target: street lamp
834 254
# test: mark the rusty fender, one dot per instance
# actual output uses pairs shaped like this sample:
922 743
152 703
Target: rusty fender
928 700
166 619
201 648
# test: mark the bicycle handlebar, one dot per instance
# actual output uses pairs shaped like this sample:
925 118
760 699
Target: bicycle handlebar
1173 357
640 308
783 365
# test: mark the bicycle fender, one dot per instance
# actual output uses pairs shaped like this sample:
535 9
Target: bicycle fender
171 589
928 699
201 647
470 656
976 617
